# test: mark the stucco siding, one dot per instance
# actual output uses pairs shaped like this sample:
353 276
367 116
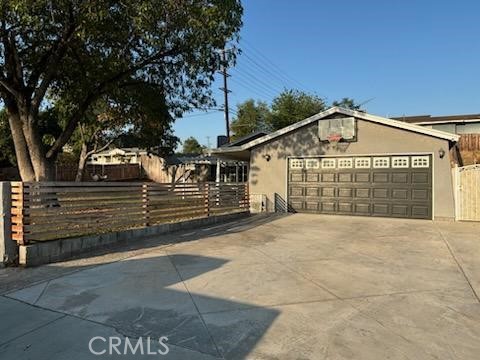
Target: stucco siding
269 177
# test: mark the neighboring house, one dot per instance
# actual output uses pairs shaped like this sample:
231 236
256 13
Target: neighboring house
455 124
382 167
467 126
193 168
117 156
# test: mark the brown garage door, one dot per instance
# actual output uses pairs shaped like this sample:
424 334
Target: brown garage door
386 185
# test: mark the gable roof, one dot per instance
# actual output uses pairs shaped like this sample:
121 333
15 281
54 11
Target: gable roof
430 120
347 112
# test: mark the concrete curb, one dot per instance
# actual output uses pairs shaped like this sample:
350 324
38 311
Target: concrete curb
64 249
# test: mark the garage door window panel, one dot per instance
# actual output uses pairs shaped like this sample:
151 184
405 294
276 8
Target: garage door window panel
296 164
420 162
381 162
312 164
328 163
345 163
362 163
401 162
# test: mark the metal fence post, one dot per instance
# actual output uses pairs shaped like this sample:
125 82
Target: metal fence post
206 197
145 204
8 247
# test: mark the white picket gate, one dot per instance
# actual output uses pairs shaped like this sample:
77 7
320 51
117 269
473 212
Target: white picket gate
466 182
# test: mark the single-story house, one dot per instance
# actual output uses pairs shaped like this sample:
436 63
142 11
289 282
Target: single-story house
349 162
193 168
115 156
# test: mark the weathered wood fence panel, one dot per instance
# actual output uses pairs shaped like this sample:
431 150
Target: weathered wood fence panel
112 172
469 142
52 210
467 192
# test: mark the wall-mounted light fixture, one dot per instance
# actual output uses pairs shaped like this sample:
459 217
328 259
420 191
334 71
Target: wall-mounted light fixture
266 157
441 153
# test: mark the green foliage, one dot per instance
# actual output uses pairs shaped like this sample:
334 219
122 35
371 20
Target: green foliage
192 146
77 54
292 106
287 108
7 150
347 103
251 117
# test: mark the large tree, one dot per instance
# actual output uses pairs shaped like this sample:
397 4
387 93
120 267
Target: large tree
347 103
192 146
251 116
84 50
292 106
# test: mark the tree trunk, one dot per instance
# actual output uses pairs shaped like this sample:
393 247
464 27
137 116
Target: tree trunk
42 166
23 159
81 163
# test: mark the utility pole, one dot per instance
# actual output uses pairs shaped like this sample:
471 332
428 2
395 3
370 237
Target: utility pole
225 93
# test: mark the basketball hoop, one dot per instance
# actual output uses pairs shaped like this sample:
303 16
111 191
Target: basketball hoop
333 140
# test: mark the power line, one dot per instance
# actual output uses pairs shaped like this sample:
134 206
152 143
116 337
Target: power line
203 114
250 85
266 70
271 63
256 79
252 88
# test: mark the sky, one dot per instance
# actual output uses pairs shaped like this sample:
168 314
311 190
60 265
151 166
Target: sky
400 57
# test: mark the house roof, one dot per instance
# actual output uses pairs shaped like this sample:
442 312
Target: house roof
245 139
191 159
347 112
121 151
430 120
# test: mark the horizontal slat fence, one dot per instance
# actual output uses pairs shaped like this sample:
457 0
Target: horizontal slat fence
53 210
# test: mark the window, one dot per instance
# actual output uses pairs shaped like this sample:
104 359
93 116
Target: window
345 163
328 163
381 162
400 162
296 164
312 164
420 162
362 163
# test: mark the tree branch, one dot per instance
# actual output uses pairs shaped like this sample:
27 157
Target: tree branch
95 150
9 88
48 65
95 94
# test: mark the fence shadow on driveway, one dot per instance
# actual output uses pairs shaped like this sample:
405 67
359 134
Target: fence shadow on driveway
149 296
17 278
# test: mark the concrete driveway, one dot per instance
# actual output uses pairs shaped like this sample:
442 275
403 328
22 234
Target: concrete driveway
279 287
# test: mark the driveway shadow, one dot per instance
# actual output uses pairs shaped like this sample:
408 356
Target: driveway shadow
146 296
14 278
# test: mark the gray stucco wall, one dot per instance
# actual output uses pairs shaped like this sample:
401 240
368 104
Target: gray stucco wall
269 177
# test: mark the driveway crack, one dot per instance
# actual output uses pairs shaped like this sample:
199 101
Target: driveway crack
452 254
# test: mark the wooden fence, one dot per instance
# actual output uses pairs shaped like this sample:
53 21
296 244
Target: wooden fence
53 210
112 172
469 142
